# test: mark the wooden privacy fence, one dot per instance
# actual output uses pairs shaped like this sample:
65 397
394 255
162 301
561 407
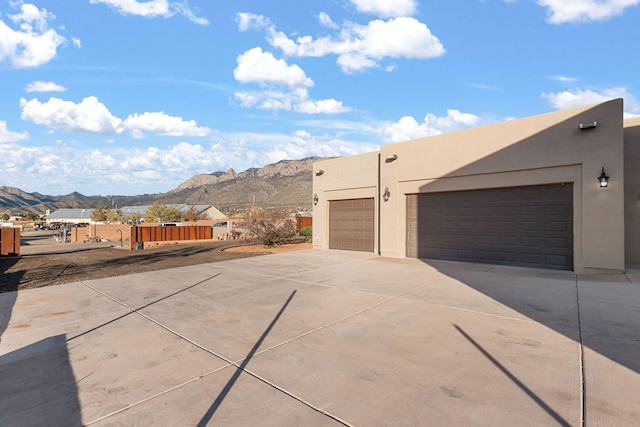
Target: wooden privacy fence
9 241
167 234
303 221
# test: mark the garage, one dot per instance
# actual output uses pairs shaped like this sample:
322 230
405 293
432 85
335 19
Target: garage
522 226
351 224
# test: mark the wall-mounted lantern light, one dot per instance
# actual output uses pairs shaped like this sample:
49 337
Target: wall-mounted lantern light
391 157
603 179
584 126
319 172
315 199
386 194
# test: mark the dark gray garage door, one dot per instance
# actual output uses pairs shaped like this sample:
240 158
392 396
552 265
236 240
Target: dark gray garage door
523 226
351 224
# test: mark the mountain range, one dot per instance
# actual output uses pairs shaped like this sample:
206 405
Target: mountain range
286 184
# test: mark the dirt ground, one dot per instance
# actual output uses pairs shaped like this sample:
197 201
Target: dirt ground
47 263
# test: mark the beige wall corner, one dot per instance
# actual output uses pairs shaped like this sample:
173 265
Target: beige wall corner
632 190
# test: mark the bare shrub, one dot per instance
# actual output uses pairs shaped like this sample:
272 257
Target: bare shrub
271 227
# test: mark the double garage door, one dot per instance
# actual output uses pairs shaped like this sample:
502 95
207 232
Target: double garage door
351 224
523 226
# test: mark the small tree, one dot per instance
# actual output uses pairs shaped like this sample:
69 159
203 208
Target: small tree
161 213
193 215
134 217
5 217
271 227
115 216
99 214
29 216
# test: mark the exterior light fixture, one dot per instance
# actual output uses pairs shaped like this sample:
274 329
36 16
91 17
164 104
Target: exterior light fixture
386 194
584 126
603 179
319 172
315 199
391 158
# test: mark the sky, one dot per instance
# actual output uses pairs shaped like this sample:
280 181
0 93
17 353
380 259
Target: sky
126 97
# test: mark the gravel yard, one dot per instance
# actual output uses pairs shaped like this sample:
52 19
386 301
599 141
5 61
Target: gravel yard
45 262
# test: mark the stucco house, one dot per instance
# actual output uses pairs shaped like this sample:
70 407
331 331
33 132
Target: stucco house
530 192
71 216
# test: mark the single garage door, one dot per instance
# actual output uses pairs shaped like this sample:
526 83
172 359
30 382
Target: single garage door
524 226
351 224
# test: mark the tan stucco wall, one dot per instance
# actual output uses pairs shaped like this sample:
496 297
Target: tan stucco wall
544 149
111 232
632 190
353 177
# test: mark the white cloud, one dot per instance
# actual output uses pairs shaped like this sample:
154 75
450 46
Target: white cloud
325 106
326 21
90 115
246 150
386 8
409 128
362 46
251 21
564 79
295 100
153 8
76 42
9 136
564 11
34 44
63 168
579 97
100 161
41 86
163 124
484 86
256 66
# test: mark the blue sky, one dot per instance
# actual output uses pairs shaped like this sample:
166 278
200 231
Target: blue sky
129 97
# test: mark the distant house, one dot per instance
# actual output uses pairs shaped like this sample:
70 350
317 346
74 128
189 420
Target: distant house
208 211
79 216
70 216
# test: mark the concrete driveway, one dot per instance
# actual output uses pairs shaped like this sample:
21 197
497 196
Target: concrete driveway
324 338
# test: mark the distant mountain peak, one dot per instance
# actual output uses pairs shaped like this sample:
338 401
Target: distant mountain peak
282 168
285 184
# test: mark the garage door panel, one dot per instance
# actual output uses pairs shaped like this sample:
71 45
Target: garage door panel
532 210
505 240
484 240
557 260
560 210
351 224
531 226
557 242
464 238
532 259
507 226
535 242
557 226
508 257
